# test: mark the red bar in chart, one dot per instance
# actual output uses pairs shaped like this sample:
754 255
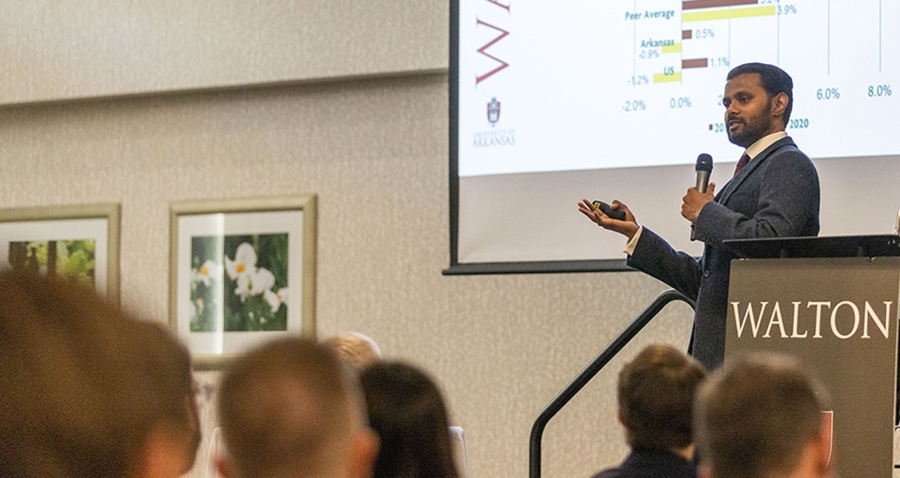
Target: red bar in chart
687 34
694 63
695 4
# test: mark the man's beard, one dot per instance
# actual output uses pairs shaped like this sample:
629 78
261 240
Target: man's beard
752 130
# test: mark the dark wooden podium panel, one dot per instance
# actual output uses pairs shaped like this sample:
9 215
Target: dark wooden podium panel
887 245
840 316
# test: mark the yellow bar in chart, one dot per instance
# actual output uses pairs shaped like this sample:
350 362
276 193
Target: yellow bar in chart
763 11
664 78
675 48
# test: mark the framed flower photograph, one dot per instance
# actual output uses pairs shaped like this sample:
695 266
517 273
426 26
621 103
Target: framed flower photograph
241 273
78 241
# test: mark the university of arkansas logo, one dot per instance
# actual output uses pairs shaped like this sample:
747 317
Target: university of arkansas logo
493 111
493 138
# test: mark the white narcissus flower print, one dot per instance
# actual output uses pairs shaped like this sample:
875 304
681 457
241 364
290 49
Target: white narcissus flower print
254 283
206 272
276 298
244 261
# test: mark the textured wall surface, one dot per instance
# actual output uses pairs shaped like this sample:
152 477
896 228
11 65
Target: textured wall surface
376 154
54 50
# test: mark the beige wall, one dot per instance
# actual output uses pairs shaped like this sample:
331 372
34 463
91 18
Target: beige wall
375 152
55 50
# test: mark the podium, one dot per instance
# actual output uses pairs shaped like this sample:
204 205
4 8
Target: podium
833 303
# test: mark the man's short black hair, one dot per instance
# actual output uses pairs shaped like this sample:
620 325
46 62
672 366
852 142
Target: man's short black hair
774 80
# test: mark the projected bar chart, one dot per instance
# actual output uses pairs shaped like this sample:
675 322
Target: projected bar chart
659 66
694 15
833 49
699 20
709 29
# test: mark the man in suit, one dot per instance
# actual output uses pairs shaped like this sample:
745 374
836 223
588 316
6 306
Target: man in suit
774 193
655 397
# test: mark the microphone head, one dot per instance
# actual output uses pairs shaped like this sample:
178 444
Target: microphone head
704 163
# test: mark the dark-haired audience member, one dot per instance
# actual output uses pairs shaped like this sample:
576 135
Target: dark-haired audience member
761 417
290 408
655 398
86 390
354 349
408 413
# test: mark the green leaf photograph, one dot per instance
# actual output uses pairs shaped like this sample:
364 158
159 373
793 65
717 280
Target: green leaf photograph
70 258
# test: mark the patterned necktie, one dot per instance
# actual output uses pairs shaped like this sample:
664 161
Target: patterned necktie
740 164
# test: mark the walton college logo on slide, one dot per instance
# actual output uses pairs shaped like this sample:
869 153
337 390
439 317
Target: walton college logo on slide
493 111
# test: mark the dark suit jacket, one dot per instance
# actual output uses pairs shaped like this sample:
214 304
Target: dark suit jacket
775 195
651 464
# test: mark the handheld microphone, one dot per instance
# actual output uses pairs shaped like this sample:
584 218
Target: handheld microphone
704 169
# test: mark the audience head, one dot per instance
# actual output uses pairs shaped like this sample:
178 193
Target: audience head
655 394
88 391
408 413
355 349
174 440
761 416
291 408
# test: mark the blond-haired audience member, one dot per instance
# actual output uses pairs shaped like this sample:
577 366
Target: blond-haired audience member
355 349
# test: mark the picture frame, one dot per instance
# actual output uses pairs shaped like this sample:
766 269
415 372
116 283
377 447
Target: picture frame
241 273
79 241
